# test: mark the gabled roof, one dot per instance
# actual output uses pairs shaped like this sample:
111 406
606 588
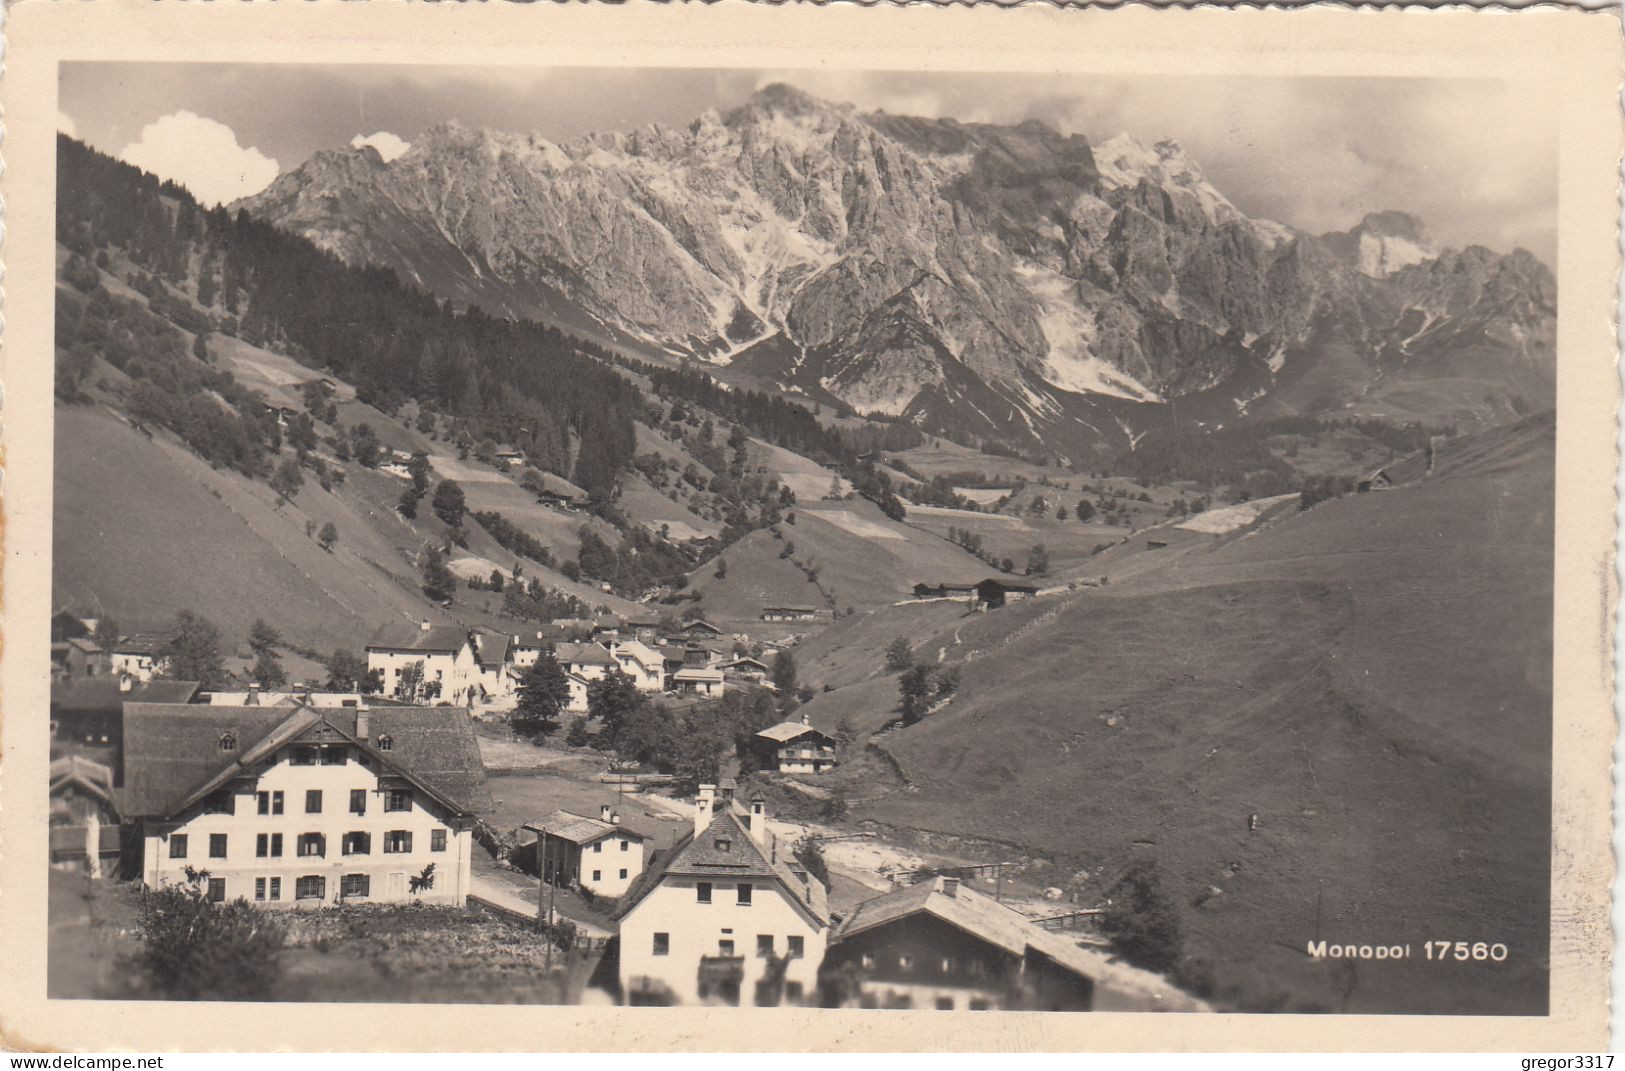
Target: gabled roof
702 857
1011 931
702 625
585 654
640 653
405 636
1007 585
493 648
92 776
697 673
738 662
578 828
785 731
90 694
172 752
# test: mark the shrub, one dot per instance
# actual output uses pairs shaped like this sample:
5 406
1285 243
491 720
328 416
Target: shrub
193 948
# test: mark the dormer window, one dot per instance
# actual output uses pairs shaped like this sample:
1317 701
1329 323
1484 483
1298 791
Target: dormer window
385 742
724 844
228 741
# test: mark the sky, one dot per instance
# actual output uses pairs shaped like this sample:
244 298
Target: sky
1476 159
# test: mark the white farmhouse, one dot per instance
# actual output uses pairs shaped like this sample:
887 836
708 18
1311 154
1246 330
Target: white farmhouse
590 661
701 681
141 657
599 854
718 917
451 666
645 665
304 807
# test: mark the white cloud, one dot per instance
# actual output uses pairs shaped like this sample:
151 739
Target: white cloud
202 155
389 146
65 124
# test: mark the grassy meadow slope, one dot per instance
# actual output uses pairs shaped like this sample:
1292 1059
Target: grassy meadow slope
144 528
861 558
1371 678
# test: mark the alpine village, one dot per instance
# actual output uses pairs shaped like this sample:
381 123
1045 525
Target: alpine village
666 589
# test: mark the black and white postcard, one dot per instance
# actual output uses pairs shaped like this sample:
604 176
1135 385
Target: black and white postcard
562 513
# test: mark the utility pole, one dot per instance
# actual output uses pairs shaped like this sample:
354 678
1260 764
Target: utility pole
543 914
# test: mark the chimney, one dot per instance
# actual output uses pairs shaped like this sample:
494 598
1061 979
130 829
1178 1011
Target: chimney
950 888
805 720
758 820
615 819
423 626
603 813
253 699
361 724
702 808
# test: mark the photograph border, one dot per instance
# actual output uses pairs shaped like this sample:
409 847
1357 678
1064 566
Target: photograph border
1575 51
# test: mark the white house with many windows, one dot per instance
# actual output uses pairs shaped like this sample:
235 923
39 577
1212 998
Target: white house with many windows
714 919
304 806
447 653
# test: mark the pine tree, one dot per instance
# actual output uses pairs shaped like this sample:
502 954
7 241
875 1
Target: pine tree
287 480
195 653
543 694
438 583
329 535
448 502
268 671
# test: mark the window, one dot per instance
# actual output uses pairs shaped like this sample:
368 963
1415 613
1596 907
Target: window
276 888
354 885
265 802
598 846
303 756
276 802
228 741
868 961
702 890
177 846
598 875
625 844
724 844
978 1004
744 893
437 840
793 992
357 844
796 946
334 756
313 801
623 873
385 742
725 947
221 802
312 844
262 848
397 840
398 799
259 888
217 890
764 945
276 846
905 961
945 1004
217 845
947 965
358 801
662 944
312 887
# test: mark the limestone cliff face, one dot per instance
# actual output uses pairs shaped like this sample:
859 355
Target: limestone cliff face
912 265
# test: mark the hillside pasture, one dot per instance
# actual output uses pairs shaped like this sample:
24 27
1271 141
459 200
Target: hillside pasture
1370 678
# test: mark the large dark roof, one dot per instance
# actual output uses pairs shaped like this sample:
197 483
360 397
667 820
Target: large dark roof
702 857
88 694
172 752
404 636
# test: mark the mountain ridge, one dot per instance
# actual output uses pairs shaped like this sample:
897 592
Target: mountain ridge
927 269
